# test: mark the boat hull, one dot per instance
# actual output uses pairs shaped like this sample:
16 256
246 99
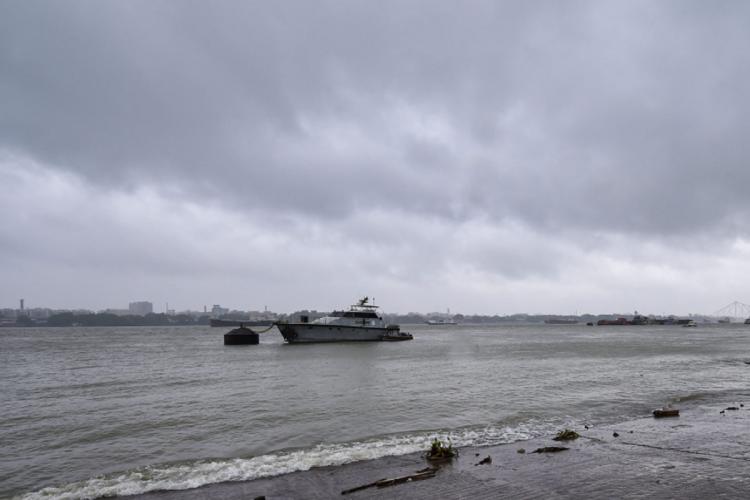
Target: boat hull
300 333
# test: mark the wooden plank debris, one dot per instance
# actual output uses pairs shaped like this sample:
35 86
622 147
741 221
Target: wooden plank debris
383 483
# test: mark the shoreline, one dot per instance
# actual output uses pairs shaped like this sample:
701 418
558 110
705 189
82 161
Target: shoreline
701 453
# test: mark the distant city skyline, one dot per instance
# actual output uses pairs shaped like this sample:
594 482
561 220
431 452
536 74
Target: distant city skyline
735 309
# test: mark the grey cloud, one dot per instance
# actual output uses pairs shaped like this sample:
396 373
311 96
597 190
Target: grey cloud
585 116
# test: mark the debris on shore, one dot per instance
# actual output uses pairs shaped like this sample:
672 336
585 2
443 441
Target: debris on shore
439 452
566 435
484 461
666 412
550 449
383 483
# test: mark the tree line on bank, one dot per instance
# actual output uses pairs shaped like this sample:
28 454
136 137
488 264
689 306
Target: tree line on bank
108 319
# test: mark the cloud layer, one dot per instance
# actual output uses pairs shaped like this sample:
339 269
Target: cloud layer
490 158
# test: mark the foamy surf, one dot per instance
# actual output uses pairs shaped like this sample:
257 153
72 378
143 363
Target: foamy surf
188 475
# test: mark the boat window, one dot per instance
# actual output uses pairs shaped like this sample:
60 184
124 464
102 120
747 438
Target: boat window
360 314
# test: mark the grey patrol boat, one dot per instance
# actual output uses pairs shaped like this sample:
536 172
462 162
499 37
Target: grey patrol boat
360 323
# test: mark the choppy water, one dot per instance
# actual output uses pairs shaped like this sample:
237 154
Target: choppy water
88 412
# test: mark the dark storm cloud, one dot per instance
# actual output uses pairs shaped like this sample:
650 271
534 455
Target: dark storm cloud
613 116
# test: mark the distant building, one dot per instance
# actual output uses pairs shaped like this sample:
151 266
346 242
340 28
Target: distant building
39 313
265 315
117 312
217 311
8 316
141 308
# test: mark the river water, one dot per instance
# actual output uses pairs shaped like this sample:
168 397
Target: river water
88 412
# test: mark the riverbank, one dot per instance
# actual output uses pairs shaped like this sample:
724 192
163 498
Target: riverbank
702 453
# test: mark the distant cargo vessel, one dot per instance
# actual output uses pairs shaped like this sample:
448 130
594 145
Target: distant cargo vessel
637 320
360 323
642 320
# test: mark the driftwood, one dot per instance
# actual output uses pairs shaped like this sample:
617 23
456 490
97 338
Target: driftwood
363 487
666 412
550 449
484 461
403 479
383 483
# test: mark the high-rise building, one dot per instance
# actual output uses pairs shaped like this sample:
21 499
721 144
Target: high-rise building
141 308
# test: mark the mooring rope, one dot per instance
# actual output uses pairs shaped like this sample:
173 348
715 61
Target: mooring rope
264 331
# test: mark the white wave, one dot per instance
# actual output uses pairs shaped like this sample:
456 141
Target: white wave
182 476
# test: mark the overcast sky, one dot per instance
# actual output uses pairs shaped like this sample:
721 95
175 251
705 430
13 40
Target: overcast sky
487 157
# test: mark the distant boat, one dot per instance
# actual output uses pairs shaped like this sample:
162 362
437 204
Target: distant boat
690 323
447 320
725 320
561 321
441 322
611 322
637 320
747 321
